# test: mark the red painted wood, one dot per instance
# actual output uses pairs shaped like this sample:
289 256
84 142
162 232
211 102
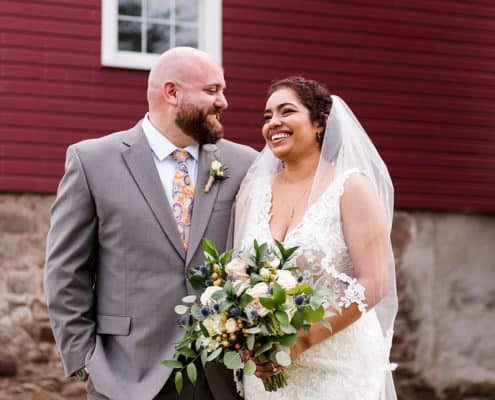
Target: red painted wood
418 74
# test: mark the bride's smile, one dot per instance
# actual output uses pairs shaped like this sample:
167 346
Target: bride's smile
288 129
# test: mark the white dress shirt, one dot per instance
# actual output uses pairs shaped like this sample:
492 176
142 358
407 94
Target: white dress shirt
162 150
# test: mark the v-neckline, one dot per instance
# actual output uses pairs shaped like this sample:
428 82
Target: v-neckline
296 226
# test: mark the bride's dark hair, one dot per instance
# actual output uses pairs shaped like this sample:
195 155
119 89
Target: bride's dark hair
312 94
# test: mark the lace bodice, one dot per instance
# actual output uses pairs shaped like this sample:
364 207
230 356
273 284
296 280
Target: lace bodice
322 257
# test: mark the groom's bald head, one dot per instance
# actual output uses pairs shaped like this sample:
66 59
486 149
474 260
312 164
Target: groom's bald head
180 64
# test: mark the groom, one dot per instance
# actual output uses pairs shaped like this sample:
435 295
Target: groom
127 224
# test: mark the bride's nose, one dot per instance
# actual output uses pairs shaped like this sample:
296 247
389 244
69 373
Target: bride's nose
273 122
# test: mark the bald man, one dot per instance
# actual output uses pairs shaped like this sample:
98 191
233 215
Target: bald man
117 257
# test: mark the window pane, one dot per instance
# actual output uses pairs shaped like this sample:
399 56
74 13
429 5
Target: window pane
129 36
130 7
186 36
158 38
159 8
186 10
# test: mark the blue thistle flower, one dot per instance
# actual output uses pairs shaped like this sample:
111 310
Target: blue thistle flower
299 299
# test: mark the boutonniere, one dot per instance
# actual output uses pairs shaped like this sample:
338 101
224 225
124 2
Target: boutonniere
217 172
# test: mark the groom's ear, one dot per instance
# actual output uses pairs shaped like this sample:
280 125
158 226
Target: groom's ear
169 91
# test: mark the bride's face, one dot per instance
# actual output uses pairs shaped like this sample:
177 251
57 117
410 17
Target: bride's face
288 129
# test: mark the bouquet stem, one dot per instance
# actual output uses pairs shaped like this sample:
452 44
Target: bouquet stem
275 382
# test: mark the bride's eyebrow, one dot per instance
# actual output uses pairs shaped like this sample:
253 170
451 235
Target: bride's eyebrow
280 106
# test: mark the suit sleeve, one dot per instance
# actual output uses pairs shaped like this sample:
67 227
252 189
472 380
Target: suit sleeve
69 274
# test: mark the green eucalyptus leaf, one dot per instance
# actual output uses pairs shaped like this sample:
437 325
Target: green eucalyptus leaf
232 360
218 295
312 316
282 317
192 373
204 331
214 355
249 367
267 303
283 358
225 257
265 347
288 340
197 282
210 248
224 306
189 299
278 294
186 351
297 319
250 342
253 330
181 309
288 329
179 382
204 357
245 300
172 364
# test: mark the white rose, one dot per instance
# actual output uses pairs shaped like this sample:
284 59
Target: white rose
236 269
258 290
255 305
214 324
285 279
216 165
275 262
206 298
231 325
208 343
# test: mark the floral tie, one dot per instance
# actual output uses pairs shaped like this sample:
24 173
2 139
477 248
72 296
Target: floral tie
182 195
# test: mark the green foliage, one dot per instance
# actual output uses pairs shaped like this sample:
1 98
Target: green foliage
179 382
283 358
249 367
172 364
232 360
192 373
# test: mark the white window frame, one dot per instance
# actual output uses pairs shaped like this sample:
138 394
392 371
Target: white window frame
209 30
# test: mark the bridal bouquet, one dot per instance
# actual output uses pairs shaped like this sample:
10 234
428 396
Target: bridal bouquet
254 303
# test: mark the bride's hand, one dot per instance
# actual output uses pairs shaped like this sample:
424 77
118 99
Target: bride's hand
301 345
263 369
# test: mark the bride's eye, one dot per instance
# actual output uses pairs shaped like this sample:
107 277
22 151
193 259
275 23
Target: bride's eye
266 118
287 111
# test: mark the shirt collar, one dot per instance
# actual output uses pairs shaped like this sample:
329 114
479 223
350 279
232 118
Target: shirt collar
159 143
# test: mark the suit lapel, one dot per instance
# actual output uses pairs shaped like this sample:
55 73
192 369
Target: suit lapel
203 202
139 160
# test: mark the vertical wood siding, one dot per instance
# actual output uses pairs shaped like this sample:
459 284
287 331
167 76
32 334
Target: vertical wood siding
419 74
53 90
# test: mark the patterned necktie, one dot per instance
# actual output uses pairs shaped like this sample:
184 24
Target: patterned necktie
182 195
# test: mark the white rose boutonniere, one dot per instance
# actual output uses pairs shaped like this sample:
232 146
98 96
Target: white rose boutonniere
217 172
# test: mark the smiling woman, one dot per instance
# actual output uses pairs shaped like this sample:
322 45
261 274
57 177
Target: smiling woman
320 185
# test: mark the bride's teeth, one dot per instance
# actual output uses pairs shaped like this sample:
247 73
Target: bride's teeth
280 136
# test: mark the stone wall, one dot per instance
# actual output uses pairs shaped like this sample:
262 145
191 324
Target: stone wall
443 341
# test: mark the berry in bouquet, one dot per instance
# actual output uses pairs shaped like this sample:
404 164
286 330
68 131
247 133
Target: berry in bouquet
254 303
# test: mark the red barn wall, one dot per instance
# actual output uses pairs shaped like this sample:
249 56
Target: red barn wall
419 74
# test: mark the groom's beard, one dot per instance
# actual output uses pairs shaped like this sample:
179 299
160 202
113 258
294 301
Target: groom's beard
194 122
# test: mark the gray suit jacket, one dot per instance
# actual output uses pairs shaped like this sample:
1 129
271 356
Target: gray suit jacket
116 267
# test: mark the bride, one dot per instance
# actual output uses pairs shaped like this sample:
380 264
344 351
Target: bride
320 184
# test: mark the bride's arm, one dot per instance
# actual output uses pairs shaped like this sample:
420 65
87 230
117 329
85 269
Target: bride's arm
366 234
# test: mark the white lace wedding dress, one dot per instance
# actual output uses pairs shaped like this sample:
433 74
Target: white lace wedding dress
352 364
